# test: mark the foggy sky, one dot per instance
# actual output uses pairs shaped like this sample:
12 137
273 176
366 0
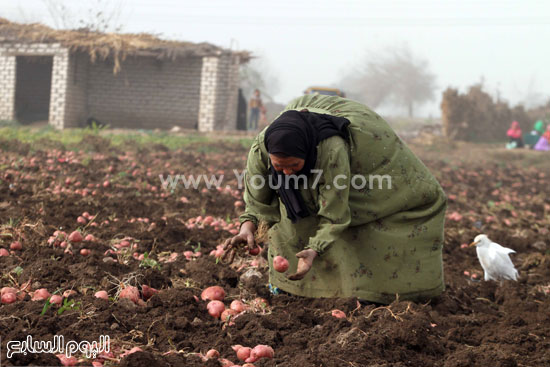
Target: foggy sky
315 42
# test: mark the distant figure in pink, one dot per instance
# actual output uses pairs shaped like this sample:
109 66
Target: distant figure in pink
514 136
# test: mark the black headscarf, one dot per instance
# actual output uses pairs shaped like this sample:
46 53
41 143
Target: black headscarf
297 134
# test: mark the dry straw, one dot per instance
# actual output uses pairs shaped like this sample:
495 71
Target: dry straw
116 46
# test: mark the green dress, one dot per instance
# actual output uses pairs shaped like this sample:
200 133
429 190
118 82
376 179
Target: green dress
376 238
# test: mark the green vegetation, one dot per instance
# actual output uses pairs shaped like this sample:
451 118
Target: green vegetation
72 138
148 262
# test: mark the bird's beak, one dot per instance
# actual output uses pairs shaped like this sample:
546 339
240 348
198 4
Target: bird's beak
473 244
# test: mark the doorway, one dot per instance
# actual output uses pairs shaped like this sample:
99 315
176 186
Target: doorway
33 88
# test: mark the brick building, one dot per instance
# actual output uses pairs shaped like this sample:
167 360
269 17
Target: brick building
124 80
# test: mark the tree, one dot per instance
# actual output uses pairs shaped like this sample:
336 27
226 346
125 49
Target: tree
393 77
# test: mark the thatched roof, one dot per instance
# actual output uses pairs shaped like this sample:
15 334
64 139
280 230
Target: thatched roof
110 45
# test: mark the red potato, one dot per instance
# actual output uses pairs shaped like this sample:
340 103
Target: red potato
16 246
236 347
6 290
260 302
40 295
339 314
237 306
81 220
75 237
85 252
208 220
280 264
215 308
212 354
106 183
90 238
67 361
68 293
214 293
244 353
102 295
148 292
56 299
255 251
124 243
131 351
188 254
131 293
260 351
9 298
248 365
227 313
60 234
4 252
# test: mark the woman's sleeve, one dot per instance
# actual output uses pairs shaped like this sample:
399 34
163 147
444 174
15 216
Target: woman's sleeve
333 187
261 201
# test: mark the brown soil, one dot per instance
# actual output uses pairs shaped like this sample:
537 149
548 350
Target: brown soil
474 323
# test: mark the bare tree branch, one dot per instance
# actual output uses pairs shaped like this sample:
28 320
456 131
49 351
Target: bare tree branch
100 16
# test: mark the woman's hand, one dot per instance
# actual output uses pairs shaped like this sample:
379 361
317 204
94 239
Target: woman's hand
305 262
246 235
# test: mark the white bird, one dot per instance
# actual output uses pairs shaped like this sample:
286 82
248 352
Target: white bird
494 259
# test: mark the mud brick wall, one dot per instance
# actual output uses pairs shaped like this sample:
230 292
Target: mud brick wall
146 93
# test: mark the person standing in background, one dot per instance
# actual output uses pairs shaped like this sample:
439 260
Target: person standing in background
255 106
